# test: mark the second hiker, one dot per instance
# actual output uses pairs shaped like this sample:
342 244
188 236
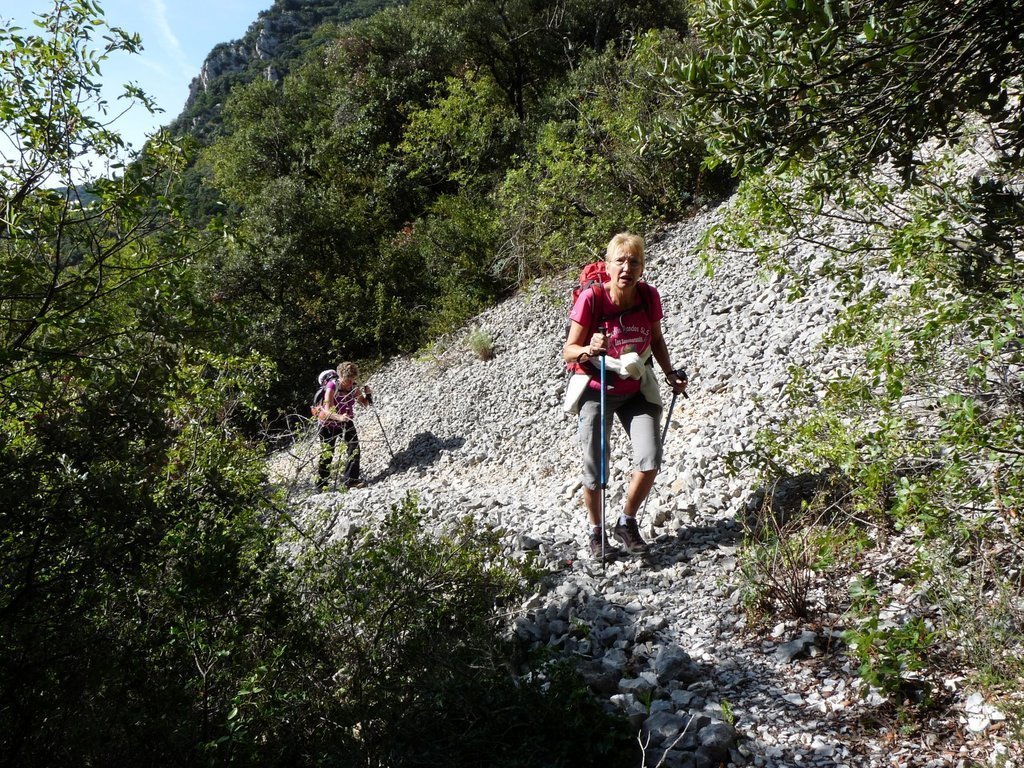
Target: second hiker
620 319
334 415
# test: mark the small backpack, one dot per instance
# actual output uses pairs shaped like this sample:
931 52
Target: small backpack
595 275
318 399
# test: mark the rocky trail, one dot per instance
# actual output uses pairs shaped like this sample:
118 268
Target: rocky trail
663 639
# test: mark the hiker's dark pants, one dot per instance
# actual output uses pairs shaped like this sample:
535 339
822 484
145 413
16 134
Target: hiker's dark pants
329 437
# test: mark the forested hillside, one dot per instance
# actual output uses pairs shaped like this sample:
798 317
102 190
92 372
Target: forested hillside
406 170
429 159
275 41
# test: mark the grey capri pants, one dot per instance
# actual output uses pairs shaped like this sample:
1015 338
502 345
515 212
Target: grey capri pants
641 420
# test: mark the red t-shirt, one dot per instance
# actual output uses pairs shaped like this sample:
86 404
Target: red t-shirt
629 331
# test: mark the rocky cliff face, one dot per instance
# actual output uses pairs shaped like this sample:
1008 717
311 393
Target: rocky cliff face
271 44
260 44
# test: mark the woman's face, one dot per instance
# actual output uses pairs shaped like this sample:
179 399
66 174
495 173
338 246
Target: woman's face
625 268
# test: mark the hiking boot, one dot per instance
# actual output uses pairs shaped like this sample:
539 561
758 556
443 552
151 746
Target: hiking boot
629 534
598 539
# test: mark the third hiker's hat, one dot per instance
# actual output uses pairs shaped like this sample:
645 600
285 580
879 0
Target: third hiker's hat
324 376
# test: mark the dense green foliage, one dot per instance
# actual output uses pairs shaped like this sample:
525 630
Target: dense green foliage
149 609
429 159
892 131
416 675
129 504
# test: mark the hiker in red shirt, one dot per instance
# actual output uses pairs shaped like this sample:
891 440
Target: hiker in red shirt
619 321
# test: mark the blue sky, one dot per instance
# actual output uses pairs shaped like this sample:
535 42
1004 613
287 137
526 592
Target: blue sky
176 36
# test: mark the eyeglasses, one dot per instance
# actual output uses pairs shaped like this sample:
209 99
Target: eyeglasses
628 258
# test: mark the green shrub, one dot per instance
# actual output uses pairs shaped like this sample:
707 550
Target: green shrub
791 558
400 658
890 656
481 343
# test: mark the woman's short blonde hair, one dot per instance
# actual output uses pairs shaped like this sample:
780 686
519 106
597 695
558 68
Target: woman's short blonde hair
625 241
348 371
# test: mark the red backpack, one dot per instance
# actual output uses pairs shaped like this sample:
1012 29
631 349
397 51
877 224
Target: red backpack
592 274
595 275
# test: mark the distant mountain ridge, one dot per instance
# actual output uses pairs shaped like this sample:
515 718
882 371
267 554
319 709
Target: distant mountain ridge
269 48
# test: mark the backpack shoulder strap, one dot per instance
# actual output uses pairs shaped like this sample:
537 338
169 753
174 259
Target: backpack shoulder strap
599 293
645 300
596 318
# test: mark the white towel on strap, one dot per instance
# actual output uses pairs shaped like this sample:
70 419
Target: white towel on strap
631 366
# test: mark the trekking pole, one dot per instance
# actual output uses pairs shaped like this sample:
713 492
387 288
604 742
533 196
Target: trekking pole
369 399
604 449
383 432
668 419
682 375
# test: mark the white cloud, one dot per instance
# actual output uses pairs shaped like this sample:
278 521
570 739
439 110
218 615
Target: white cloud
170 40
